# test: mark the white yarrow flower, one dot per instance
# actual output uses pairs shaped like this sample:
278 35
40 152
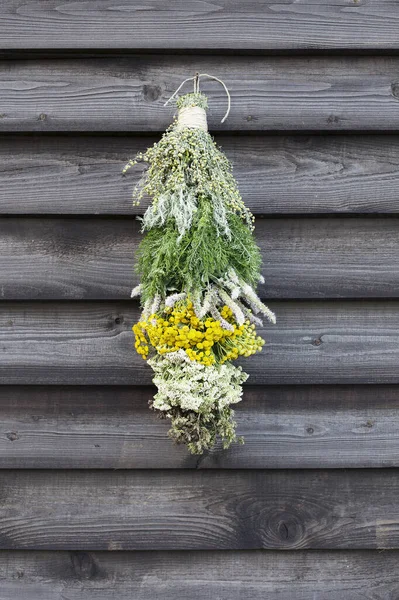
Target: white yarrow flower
182 382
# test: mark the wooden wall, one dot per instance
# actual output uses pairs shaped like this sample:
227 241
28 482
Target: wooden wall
95 502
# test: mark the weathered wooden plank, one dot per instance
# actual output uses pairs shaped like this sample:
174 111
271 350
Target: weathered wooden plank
52 258
225 25
198 510
91 343
280 93
289 575
284 427
276 174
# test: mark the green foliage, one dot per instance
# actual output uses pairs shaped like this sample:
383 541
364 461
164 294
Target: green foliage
164 263
184 166
199 432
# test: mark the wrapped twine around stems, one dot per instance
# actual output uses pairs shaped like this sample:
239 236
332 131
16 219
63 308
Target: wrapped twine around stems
194 117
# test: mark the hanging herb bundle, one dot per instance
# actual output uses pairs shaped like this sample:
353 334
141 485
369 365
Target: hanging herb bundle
199 266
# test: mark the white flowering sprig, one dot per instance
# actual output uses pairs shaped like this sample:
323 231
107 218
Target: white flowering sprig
241 292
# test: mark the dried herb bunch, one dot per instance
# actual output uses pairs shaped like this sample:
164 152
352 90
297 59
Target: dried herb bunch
199 266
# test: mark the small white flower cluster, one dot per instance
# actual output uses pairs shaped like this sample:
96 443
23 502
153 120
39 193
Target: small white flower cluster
194 387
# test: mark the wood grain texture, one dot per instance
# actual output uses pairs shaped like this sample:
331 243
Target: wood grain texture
53 258
199 510
284 427
225 25
289 575
276 174
124 94
319 342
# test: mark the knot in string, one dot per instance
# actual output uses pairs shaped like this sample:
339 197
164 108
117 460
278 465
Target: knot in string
192 117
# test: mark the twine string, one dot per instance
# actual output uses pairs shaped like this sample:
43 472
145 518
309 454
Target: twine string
196 80
193 117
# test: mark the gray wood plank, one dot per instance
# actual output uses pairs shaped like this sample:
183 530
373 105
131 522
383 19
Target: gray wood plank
53 258
319 342
276 174
284 427
280 93
199 510
289 575
225 25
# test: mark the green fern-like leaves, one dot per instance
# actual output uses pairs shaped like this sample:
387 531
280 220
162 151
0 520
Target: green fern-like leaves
166 263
